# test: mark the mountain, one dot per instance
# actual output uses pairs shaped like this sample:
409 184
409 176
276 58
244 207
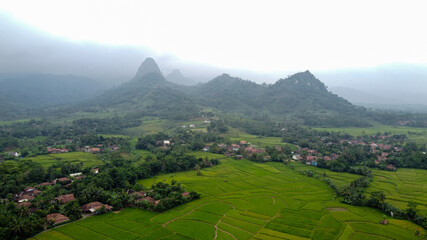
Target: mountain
176 77
147 67
149 92
46 89
301 96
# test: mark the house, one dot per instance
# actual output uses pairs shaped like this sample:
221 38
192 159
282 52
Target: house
94 207
15 154
24 198
137 195
149 199
238 157
327 158
334 156
24 204
314 163
242 142
166 142
63 180
205 149
31 191
65 198
56 218
192 125
27 195
384 222
94 150
185 194
75 174
391 167
44 184
95 170
114 148
100 145
80 177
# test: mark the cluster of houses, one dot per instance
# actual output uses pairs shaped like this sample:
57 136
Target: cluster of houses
239 150
99 148
24 198
89 208
381 150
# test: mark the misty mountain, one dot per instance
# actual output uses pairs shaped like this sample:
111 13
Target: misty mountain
147 91
301 96
176 77
47 89
300 92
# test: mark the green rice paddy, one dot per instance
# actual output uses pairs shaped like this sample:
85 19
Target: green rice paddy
88 159
243 200
402 186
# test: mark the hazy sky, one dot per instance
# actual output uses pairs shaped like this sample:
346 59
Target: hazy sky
265 36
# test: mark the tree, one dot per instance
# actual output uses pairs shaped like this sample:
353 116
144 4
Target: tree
72 210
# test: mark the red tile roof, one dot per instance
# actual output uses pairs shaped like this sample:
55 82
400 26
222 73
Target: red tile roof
66 198
57 218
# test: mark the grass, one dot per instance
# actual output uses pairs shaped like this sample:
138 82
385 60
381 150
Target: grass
244 200
88 159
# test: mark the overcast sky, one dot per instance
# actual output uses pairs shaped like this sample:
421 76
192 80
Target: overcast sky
266 36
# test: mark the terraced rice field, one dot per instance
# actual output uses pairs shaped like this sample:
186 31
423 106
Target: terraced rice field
243 200
402 186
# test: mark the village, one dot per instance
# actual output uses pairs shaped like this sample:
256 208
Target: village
28 199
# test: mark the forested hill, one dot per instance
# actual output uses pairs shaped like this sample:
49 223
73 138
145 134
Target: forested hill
300 96
303 92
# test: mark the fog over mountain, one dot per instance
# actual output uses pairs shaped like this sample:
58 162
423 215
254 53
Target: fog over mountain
26 50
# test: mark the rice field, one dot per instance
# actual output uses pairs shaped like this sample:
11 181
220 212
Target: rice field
418 135
402 186
237 135
88 159
243 200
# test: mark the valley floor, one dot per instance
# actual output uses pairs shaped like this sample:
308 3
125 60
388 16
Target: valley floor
243 200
